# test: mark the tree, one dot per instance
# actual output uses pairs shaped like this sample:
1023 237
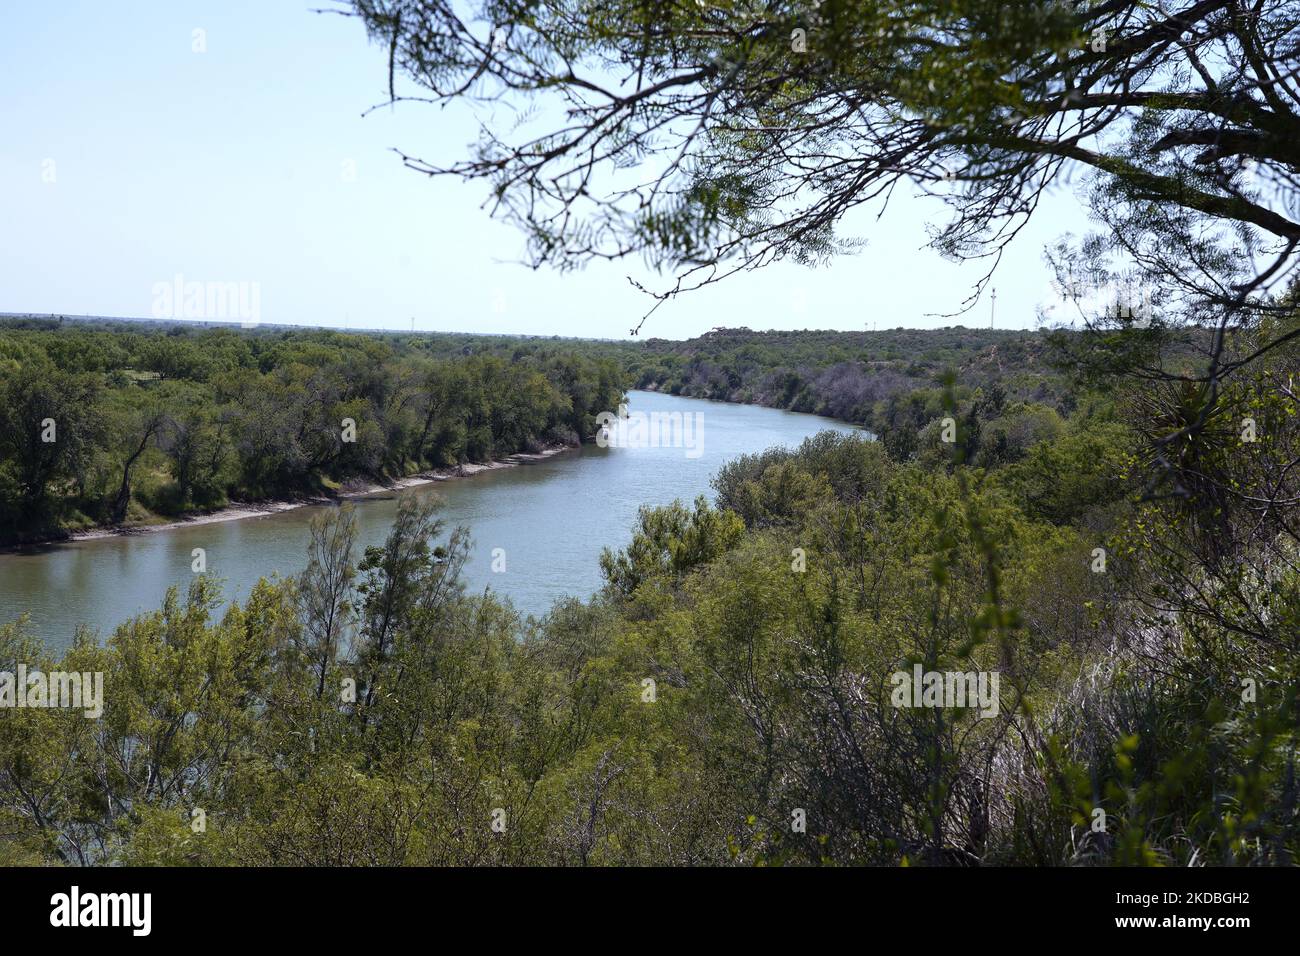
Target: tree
409 573
669 541
136 431
195 440
758 126
325 590
49 421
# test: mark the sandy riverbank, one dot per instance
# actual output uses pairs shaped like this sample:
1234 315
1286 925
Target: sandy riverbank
237 511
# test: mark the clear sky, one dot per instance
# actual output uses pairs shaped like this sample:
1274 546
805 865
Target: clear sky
127 159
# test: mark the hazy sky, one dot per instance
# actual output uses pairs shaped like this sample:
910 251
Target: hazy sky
128 159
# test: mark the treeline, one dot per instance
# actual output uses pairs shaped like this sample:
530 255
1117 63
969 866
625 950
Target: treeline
1010 390
112 423
730 696
888 381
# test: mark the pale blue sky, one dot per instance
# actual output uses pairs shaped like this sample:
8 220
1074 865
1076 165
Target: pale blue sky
232 165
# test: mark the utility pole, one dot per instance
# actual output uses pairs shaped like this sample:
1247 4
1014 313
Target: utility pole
993 304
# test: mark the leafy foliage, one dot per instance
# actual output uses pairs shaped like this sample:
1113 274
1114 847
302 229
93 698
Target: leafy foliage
158 420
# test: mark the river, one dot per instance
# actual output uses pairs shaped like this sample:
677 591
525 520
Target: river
551 518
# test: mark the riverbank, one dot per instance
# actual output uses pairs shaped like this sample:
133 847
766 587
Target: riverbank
239 510
537 532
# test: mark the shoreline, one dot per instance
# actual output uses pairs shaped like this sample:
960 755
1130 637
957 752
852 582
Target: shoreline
239 510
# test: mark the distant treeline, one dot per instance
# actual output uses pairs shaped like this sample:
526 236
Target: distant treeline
888 381
112 422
